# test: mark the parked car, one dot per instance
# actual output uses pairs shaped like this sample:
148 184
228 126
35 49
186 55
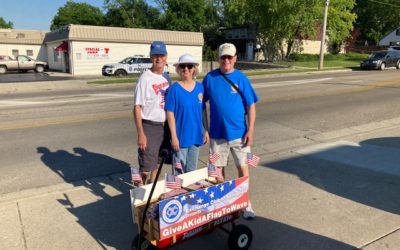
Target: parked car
382 59
133 64
21 63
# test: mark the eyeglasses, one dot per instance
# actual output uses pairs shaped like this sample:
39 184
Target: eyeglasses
189 66
226 57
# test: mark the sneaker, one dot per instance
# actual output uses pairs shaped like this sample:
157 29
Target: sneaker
249 213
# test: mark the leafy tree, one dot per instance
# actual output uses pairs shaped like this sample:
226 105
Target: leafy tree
184 15
283 22
5 25
131 14
375 19
340 23
77 13
212 28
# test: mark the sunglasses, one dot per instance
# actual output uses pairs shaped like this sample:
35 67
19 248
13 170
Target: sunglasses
226 57
189 66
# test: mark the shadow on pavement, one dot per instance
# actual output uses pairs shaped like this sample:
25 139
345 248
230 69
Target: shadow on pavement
368 173
109 219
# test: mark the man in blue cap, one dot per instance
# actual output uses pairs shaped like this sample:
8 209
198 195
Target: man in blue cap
149 113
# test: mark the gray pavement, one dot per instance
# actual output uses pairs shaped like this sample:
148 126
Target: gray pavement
308 192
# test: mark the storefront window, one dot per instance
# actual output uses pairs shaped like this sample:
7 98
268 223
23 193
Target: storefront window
29 52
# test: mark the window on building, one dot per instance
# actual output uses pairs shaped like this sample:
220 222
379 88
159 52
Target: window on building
15 53
29 52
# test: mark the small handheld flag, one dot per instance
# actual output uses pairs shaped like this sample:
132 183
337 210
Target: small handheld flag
252 160
213 171
177 163
213 158
136 178
172 181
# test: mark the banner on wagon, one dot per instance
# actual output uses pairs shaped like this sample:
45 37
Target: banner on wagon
191 210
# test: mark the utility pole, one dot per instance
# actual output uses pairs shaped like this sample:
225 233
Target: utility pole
321 52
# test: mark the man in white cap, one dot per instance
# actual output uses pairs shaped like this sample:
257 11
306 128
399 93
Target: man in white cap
230 97
149 113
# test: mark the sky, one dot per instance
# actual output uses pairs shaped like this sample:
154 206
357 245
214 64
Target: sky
35 14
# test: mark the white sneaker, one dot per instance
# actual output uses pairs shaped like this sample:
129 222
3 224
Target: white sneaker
249 213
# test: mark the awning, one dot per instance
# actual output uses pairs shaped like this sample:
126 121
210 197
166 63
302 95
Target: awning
62 47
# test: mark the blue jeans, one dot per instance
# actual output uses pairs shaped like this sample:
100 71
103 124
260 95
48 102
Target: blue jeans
189 158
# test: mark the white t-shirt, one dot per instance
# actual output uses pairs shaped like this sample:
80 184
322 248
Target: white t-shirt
150 94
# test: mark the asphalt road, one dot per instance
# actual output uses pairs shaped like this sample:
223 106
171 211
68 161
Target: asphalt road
329 176
41 132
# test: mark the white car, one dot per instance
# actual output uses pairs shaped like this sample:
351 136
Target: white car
130 65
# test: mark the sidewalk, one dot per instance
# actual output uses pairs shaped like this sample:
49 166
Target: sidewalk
303 200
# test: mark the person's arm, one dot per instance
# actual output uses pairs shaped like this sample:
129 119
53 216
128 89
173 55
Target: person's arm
141 137
248 137
172 129
206 136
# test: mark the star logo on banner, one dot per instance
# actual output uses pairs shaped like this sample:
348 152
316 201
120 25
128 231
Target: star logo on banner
222 188
200 200
212 195
183 198
206 190
192 195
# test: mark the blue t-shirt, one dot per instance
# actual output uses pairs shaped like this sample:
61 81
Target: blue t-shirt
187 108
227 112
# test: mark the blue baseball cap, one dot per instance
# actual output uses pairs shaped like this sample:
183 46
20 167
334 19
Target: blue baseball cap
158 48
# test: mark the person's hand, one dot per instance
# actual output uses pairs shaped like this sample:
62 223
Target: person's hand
175 144
248 138
206 137
142 141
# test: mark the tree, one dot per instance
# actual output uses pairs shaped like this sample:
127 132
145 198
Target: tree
340 23
283 22
131 14
5 25
77 13
279 21
184 15
375 19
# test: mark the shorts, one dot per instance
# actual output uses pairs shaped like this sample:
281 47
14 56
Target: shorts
222 147
148 158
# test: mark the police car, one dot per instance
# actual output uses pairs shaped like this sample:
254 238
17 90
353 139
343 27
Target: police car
130 65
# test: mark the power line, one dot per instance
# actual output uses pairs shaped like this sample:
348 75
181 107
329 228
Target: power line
389 4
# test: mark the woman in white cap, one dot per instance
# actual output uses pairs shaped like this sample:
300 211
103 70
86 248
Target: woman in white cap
184 105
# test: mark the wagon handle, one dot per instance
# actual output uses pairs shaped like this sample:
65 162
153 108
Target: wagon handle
164 154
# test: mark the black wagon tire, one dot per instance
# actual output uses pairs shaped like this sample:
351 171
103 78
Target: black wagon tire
120 72
240 238
383 66
144 244
398 65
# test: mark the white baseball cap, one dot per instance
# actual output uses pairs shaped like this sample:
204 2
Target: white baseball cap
186 59
227 49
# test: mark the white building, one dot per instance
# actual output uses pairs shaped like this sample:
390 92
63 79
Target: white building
83 50
393 38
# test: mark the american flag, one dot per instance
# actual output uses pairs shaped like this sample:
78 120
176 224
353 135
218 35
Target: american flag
177 163
172 181
213 158
252 159
213 171
136 178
